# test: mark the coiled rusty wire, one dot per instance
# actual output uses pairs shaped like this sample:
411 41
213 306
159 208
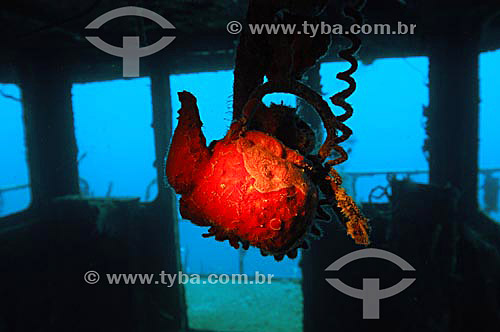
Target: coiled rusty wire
331 122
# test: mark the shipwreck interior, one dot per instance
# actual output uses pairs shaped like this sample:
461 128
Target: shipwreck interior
437 224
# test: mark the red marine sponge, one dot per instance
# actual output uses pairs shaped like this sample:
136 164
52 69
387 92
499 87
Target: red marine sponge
248 188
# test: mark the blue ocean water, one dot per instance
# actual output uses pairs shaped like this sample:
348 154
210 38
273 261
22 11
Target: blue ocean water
115 139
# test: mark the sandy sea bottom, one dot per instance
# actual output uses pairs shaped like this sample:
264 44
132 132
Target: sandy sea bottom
273 307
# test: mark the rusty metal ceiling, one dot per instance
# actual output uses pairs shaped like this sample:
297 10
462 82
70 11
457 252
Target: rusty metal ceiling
57 28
